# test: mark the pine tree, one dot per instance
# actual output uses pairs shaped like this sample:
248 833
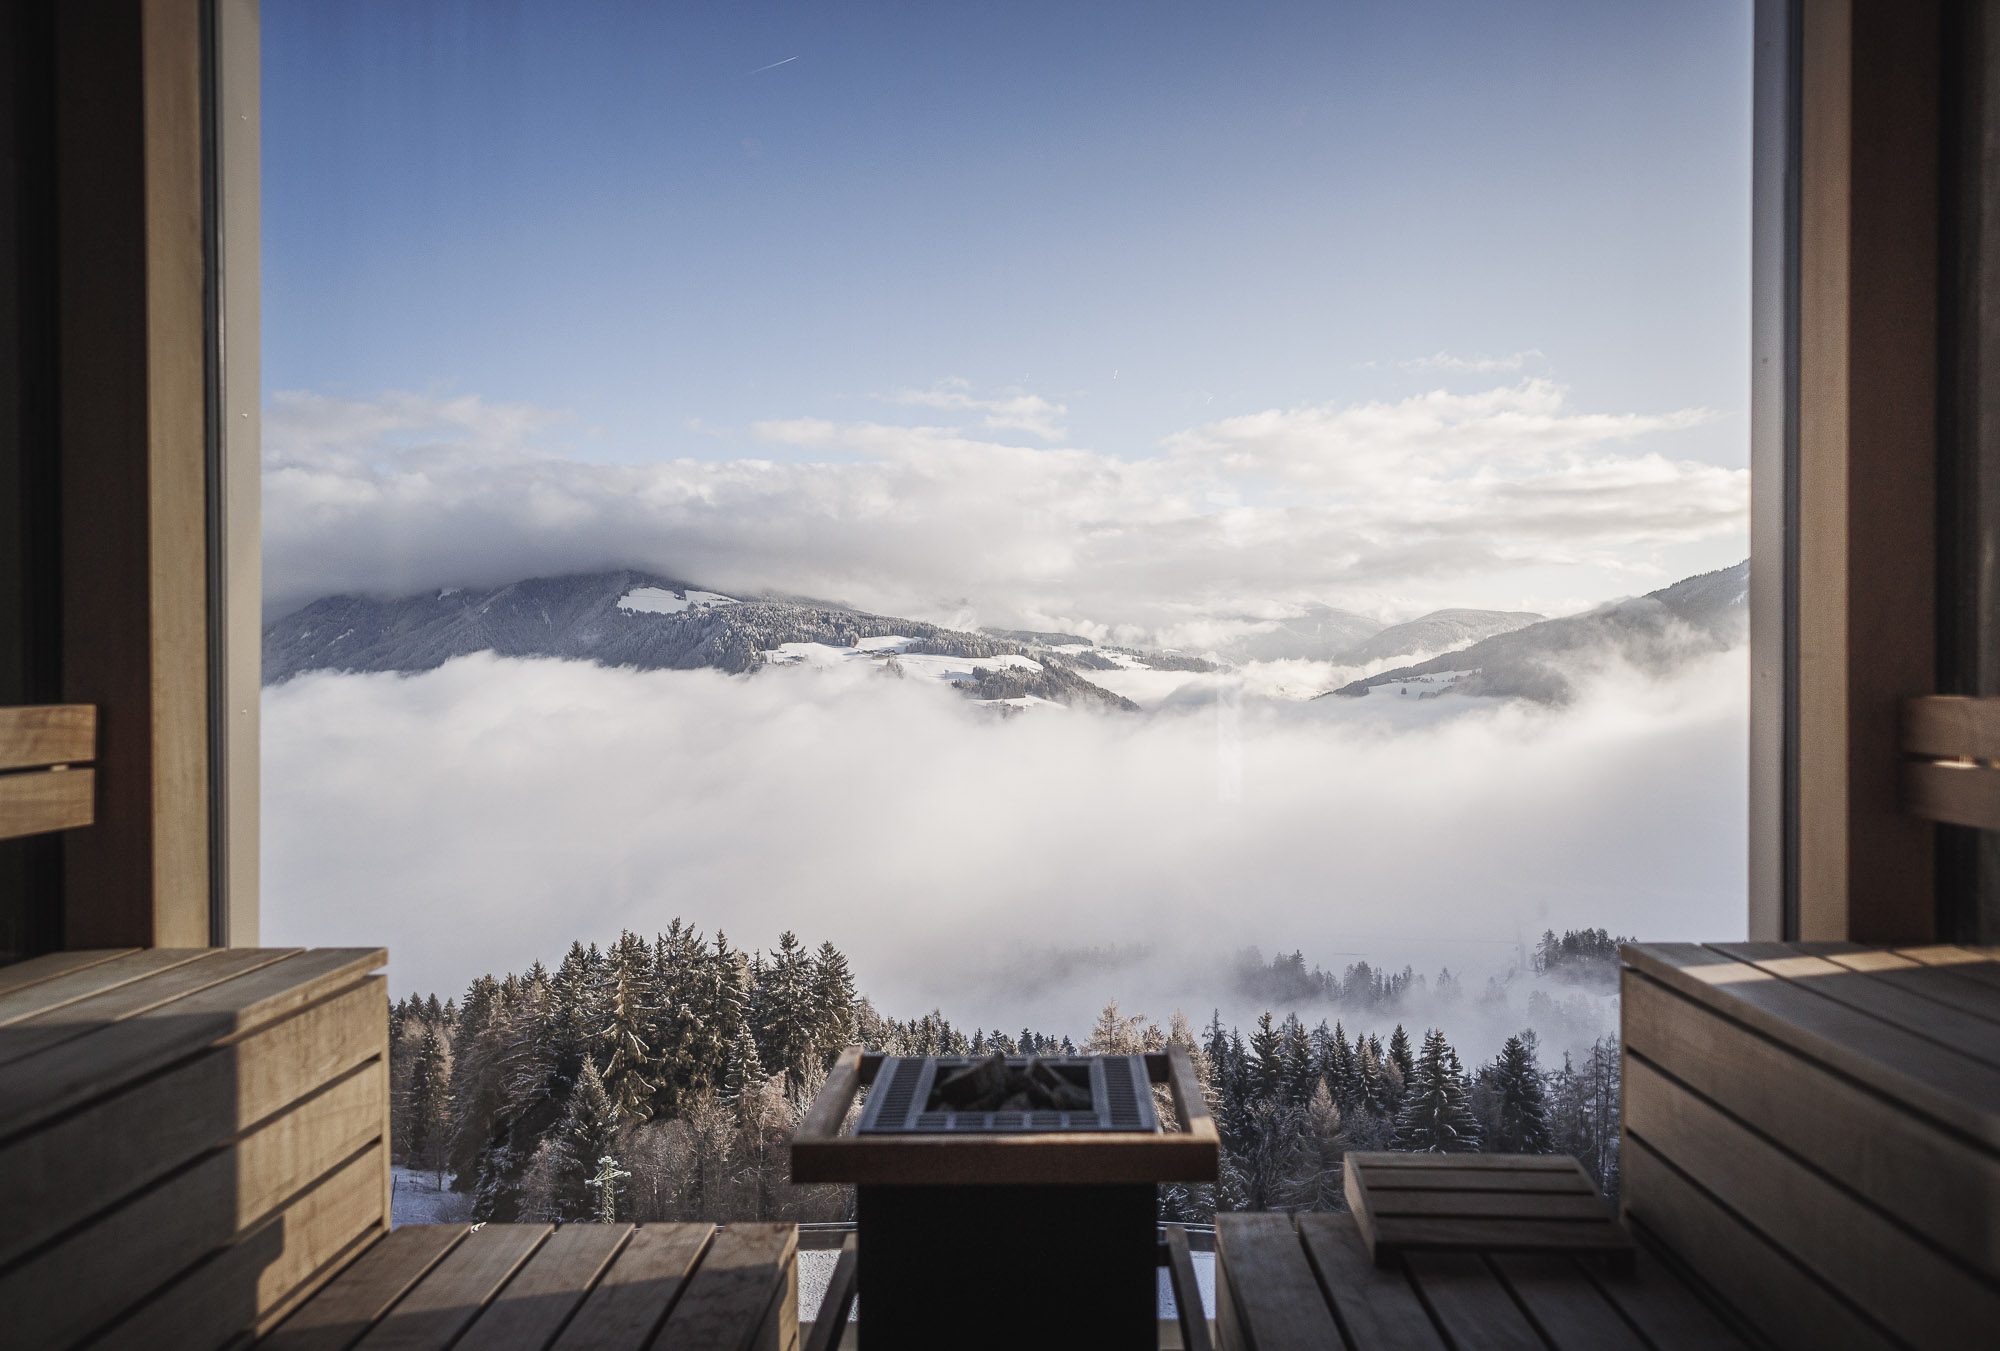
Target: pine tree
782 994
1343 1074
588 1134
1521 1109
745 1070
478 1087
1267 1054
1299 1075
833 1004
620 1041
1374 1088
1318 1185
679 957
1399 1052
1220 1069
1436 1117
429 1111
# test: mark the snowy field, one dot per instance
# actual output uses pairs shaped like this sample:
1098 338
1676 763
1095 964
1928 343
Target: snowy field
418 1200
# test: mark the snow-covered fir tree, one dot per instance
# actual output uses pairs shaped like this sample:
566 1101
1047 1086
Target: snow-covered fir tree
1436 1116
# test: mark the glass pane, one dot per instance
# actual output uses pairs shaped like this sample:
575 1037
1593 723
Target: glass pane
1031 528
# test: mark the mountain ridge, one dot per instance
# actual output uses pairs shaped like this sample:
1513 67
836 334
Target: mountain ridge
1706 612
643 620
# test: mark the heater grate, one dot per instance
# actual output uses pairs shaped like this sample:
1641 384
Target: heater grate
1120 1098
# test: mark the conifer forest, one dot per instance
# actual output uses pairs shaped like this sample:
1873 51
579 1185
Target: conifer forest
662 1080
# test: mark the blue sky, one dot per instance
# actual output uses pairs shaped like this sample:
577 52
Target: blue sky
1148 216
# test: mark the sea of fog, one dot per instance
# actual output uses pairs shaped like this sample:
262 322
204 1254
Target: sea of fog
1014 871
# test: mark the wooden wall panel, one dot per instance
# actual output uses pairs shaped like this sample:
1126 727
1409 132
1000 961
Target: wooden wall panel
134 566
1867 459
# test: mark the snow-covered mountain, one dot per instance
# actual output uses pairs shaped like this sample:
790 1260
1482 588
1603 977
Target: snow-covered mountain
628 618
1438 631
1541 661
637 619
1322 633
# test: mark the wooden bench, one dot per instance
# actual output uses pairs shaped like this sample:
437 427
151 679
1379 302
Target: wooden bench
1815 1130
191 1139
580 1287
1310 1284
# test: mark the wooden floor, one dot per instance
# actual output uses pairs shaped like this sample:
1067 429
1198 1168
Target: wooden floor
534 1287
1283 1285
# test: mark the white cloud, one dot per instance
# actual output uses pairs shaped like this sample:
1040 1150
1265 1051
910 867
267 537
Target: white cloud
481 816
1445 361
1401 505
1017 410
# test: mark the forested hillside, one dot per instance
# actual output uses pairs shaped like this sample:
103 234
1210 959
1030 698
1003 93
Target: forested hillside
662 1080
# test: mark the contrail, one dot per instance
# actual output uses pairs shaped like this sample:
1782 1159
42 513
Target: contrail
773 66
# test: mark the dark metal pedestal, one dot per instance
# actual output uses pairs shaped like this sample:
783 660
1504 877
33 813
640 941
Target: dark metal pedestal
975 1267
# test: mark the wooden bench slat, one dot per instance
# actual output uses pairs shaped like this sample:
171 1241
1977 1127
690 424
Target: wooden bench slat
746 1276
1866 992
1876 1264
1929 1078
20 975
1405 1233
137 999
1571 1312
200 1210
1469 1303
1942 985
532 1308
1489 1164
32 735
1933 1180
1271 1300
213 1304
452 1293
336 1317
1801 1312
1390 1202
90 979
1654 1299
631 1299
1964 961
69 1076
1377 1305
1567 1183
42 801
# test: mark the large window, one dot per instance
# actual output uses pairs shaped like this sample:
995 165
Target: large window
1022 528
